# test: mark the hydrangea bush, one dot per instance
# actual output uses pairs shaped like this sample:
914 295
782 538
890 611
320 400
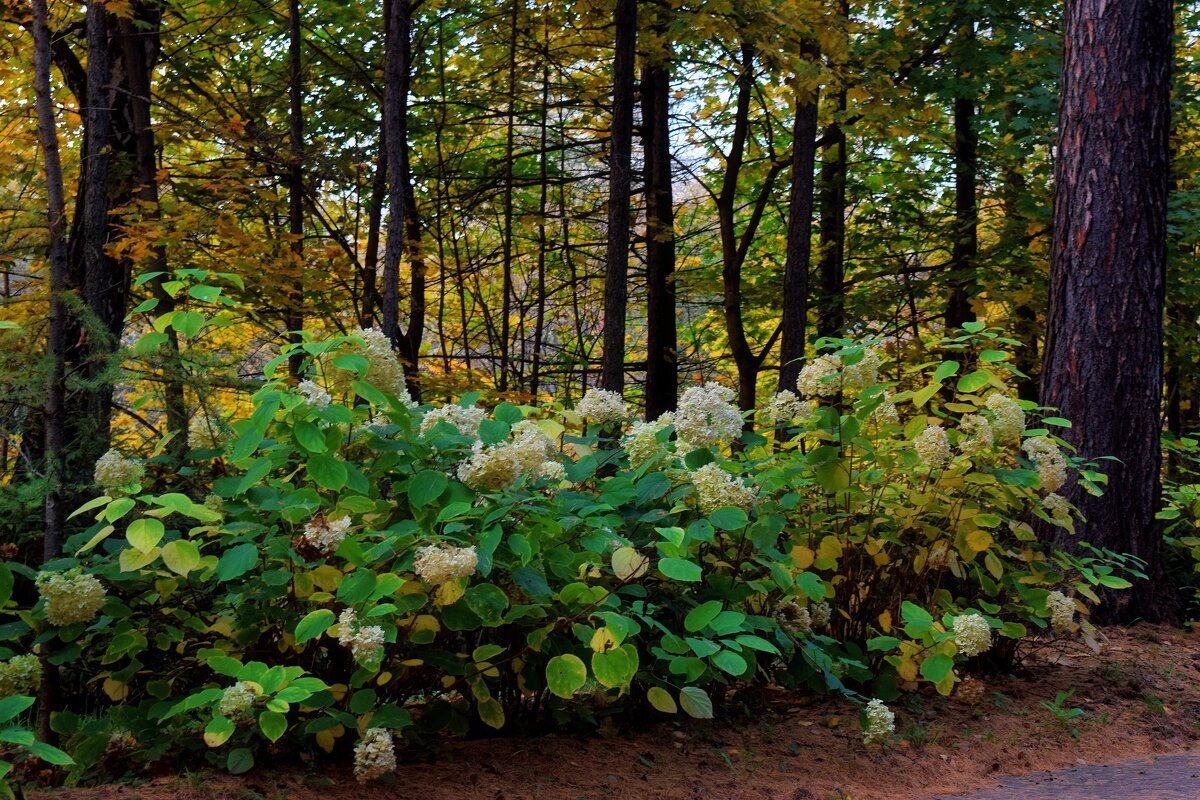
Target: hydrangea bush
359 572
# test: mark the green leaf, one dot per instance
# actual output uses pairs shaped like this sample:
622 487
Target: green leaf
936 667
728 518
974 381
237 561
273 724
492 713
616 667
49 754
181 556
812 585
696 702
488 601
882 644
313 625
426 487
991 356
12 705
661 699
327 472
1113 582
239 761
145 533
921 396
218 731
679 569
309 436
252 435
369 393
730 661
565 675
945 370
701 615
973 327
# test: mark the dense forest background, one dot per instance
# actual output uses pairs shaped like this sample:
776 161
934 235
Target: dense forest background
528 198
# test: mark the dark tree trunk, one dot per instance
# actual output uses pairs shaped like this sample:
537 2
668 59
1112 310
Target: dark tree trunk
662 362
616 273
295 312
54 406
798 254
1103 362
831 298
539 323
370 289
961 281
506 241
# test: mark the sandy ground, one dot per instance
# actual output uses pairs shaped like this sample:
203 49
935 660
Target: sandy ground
1140 695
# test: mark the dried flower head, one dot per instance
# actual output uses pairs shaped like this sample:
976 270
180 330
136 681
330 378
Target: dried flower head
324 535
374 755
442 563
1062 611
795 619
1051 466
880 723
365 642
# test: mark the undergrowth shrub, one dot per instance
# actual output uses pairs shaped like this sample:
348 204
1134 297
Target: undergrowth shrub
360 570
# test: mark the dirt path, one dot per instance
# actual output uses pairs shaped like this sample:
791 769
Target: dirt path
1155 778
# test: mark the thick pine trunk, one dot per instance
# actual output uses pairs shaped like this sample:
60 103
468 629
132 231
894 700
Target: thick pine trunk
662 364
616 271
1103 362
798 255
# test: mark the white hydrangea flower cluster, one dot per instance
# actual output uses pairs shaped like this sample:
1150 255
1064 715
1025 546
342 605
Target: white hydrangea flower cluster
364 641
120 741
530 453
864 373
641 443
785 407
822 614
206 432
236 700
374 755
114 471
1051 466
71 597
441 563
326 535
384 370
707 416
718 488
601 406
1008 418
815 378
465 420
933 447
885 413
972 634
314 395
795 619
979 438
1062 611
20 675
1057 507
881 723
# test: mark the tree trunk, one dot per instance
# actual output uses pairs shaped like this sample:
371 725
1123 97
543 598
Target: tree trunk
616 272
662 362
831 299
506 240
961 279
295 312
1103 362
798 255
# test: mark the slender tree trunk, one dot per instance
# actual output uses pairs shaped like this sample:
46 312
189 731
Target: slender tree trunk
616 272
662 361
1104 359
54 406
798 256
370 290
295 313
831 299
506 242
539 325
961 279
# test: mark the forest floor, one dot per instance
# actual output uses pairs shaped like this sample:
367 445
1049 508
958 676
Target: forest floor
1140 697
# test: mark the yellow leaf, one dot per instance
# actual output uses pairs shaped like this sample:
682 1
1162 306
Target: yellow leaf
327 737
885 622
802 557
603 640
979 540
116 690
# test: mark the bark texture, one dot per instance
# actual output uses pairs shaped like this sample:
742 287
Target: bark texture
799 241
1102 366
